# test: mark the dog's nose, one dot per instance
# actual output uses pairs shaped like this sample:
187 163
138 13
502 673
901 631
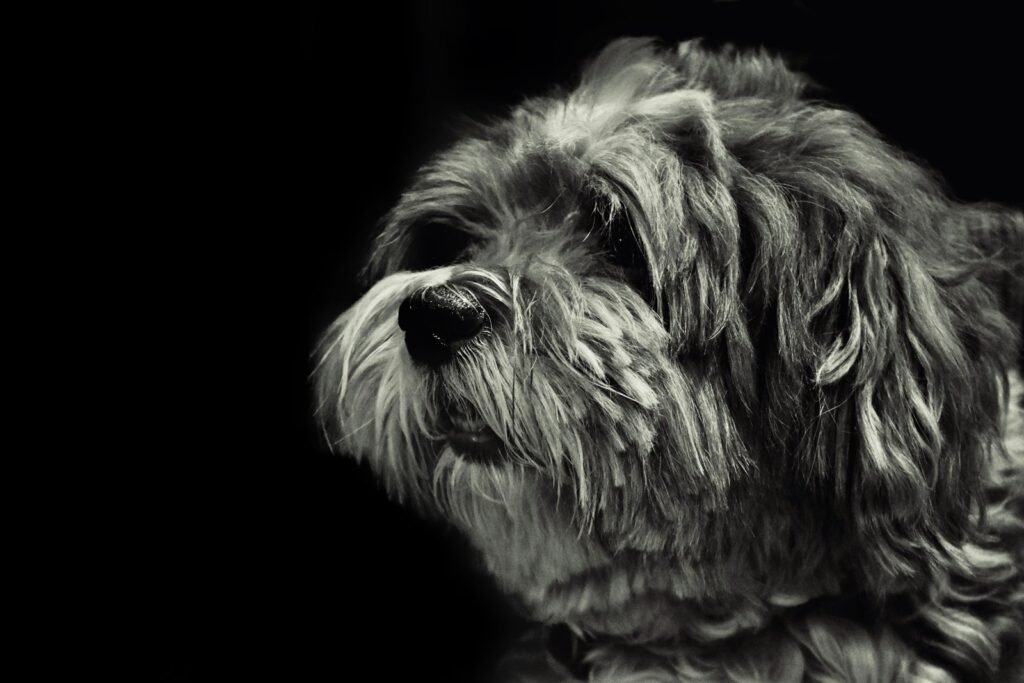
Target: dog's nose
436 320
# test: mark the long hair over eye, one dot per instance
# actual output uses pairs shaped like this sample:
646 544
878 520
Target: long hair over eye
610 223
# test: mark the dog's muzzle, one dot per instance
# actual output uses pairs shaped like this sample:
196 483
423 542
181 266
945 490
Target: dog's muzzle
437 321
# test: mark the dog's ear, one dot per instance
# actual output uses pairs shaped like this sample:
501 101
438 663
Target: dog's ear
903 407
838 292
881 355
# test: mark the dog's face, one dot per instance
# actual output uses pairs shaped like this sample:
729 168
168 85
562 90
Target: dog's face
678 338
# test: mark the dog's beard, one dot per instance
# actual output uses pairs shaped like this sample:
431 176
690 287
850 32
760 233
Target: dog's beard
565 384
595 429
521 527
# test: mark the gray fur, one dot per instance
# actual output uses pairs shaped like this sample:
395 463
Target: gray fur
777 426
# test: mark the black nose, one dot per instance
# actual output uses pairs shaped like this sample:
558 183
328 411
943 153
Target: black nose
436 320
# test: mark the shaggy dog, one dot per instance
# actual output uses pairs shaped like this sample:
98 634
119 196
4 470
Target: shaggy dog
721 386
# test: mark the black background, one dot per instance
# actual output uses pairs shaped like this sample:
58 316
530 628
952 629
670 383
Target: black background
290 557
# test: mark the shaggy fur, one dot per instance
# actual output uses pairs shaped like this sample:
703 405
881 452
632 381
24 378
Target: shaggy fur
751 369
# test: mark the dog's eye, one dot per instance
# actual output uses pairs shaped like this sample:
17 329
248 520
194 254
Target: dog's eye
625 252
609 218
434 245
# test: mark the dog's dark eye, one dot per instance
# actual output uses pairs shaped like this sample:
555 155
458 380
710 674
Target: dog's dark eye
434 245
626 252
609 219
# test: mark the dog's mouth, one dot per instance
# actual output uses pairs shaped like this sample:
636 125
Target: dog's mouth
469 436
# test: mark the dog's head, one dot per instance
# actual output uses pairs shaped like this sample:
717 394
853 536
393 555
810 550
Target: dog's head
680 338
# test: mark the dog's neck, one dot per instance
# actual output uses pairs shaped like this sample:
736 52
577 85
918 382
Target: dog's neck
561 575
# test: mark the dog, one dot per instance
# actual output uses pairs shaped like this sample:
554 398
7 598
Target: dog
721 386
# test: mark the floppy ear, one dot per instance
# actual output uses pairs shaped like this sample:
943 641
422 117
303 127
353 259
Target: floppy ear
906 398
876 352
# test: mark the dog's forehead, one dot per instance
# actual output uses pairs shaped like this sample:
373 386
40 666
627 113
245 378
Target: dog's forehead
538 163
512 180
528 198
609 148
558 144
528 177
